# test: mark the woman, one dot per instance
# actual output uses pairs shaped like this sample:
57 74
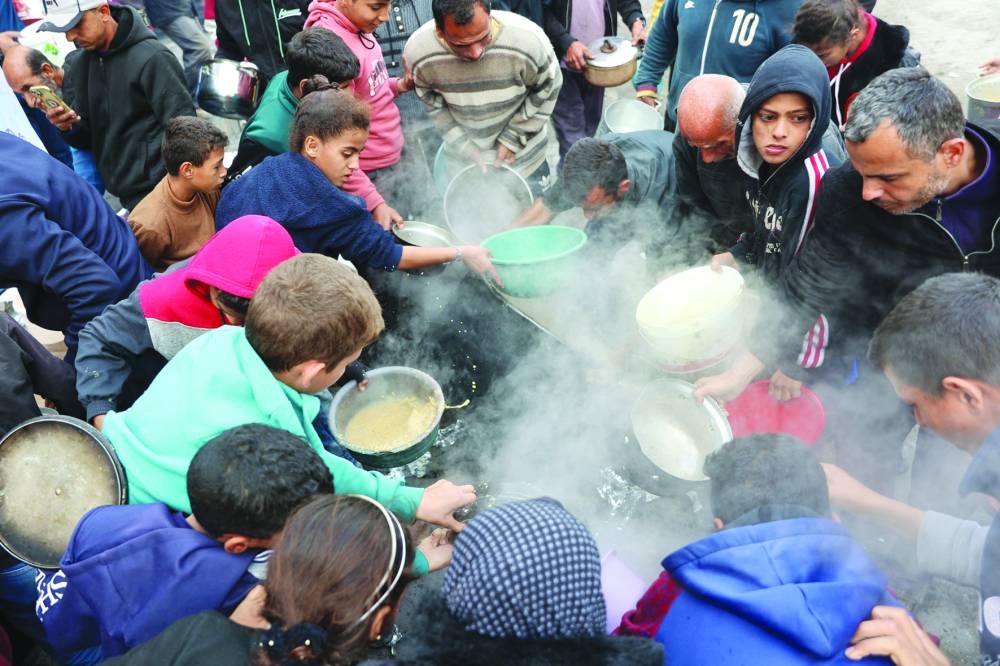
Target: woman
302 190
333 585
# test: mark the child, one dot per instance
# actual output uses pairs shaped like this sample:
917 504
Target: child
779 148
524 588
315 57
336 576
355 21
173 221
308 319
123 349
779 583
130 571
301 189
854 45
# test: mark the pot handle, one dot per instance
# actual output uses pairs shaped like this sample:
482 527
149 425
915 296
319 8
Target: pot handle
461 405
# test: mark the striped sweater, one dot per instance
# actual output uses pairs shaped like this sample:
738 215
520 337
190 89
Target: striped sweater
505 97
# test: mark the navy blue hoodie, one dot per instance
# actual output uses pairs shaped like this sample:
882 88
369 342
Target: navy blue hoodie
777 593
61 245
783 200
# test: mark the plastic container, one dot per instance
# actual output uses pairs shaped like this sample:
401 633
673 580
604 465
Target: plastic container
755 411
536 261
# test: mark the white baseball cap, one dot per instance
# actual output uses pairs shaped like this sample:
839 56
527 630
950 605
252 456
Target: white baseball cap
63 15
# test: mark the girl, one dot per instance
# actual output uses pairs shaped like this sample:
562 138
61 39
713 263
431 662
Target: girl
355 21
302 189
854 45
334 581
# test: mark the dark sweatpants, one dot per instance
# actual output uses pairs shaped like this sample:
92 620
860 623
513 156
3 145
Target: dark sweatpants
578 110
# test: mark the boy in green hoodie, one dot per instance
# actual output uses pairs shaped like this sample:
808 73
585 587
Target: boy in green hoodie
308 319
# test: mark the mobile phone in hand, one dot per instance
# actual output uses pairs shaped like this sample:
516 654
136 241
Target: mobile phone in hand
49 98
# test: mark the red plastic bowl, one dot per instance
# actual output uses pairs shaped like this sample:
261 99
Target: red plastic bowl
755 411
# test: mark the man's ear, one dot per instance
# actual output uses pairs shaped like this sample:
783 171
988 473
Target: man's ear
48 71
717 523
952 150
624 187
968 392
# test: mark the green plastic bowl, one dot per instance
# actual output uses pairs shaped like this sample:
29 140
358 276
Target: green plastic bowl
536 261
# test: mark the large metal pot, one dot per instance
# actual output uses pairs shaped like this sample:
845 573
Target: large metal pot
629 115
613 62
228 88
984 98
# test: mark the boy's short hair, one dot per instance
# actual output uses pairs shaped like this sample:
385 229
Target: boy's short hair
766 470
249 479
825 21
189 139
320 51
311 307
943 328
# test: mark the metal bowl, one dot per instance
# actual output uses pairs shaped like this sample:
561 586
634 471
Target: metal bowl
388 382
613 62
422 234
671 435
478 205
53 470
228 88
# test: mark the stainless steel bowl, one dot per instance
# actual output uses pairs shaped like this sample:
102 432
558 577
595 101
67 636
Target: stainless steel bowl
422 234
229 89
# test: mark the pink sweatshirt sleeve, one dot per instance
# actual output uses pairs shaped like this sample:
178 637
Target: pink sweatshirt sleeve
360 185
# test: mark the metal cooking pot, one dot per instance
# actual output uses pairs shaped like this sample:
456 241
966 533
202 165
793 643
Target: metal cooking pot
665 409
613 62
229 89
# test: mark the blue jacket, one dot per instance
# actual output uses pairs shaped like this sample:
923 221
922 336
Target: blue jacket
783 199
61 245
784 592
319 216
694 37
129 572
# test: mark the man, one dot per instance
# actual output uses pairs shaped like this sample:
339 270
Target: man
25 67
181 21
571 25
934 347
61 245
259 30
730 37
490 82
920 197
126 86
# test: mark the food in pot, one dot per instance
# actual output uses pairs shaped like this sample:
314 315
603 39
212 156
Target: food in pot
391 423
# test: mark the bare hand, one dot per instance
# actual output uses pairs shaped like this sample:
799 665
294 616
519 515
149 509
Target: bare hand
639 35
477 260
477 157
250 611
504 155
405 83
783 388
723 259
728 384
386 216
893 633
437 548
8 39
62 118
648 100
98 421
535 214
990 66
577 55
440 501
363 384
845 491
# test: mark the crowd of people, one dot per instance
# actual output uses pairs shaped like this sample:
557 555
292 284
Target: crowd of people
205 322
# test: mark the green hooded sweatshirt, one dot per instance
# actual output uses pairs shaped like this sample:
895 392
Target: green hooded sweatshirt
215 383
271 122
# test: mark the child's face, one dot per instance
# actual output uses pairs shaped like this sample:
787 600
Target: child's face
781 125
209 176
337 157
327 378
366 15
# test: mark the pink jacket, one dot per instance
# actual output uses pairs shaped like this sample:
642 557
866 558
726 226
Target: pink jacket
372 85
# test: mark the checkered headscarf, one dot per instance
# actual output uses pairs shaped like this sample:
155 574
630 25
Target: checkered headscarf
526 569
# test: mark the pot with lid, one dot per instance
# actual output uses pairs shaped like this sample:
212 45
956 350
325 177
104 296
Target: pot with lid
613 62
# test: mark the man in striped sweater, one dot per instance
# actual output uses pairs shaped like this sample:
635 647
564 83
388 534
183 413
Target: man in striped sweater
490 81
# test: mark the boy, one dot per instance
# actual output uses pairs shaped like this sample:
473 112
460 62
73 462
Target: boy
173 221
130 571
779 582
308 319
313 53
123 349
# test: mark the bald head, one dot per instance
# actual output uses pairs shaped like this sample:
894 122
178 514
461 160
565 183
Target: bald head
24 67
707 112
